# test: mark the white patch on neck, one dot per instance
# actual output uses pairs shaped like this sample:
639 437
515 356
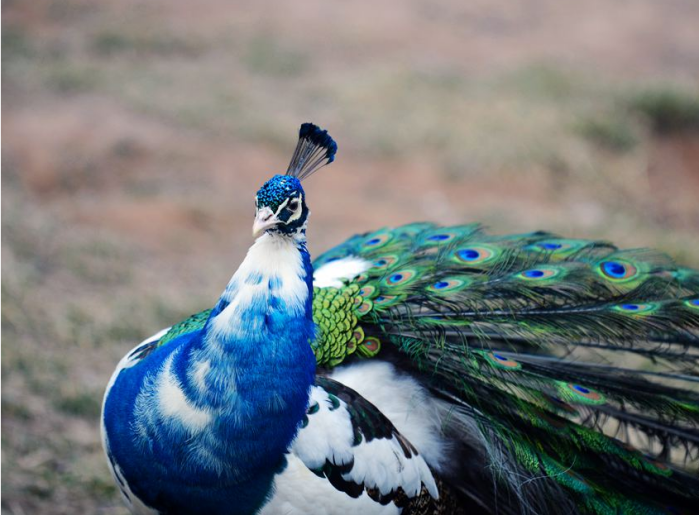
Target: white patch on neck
331 274
272 260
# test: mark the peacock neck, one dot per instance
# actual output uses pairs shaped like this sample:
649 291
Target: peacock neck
253 365
273 285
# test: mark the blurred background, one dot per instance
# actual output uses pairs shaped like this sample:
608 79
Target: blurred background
135 135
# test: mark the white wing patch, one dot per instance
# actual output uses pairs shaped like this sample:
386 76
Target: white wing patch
329 434
298 491
331 274
409 406
383 462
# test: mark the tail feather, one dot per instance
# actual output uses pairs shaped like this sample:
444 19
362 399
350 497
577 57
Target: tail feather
524 337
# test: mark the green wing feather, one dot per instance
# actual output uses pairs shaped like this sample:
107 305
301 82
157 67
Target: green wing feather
574 362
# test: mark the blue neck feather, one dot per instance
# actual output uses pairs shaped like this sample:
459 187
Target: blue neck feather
242 384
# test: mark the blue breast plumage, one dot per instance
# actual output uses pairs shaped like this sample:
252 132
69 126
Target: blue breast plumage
204 421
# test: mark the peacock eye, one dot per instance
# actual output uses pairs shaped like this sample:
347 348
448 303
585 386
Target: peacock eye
293 205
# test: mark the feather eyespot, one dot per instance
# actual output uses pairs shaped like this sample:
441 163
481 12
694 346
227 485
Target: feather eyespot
357 336
370 347
439 237
636 309
582 394
469 254
449 284
501 361
371 344
558 248
385 262
538 274
364 307
367 291
377 241
692 303
474 255
618 271
387 300
400 278
533 274
549 246
614 269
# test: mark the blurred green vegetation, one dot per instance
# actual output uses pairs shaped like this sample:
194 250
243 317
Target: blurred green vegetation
669 109
611 131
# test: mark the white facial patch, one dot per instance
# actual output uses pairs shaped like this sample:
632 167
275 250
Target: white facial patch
296 214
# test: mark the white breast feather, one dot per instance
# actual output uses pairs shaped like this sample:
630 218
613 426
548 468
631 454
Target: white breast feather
272 258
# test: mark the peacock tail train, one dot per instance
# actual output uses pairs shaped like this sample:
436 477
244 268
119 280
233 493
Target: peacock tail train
567 367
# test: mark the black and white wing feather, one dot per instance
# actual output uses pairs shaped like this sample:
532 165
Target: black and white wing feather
347 440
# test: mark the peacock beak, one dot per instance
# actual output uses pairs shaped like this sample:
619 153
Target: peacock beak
264 219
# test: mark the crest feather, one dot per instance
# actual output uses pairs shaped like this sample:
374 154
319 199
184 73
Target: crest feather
315 149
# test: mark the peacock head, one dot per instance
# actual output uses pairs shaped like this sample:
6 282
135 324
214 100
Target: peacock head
280 204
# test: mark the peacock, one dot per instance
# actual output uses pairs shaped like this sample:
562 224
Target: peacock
418 369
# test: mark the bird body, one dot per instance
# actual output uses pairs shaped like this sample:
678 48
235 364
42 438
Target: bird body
231 392
417 369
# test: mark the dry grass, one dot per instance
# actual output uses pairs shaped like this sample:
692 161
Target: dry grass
135 135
